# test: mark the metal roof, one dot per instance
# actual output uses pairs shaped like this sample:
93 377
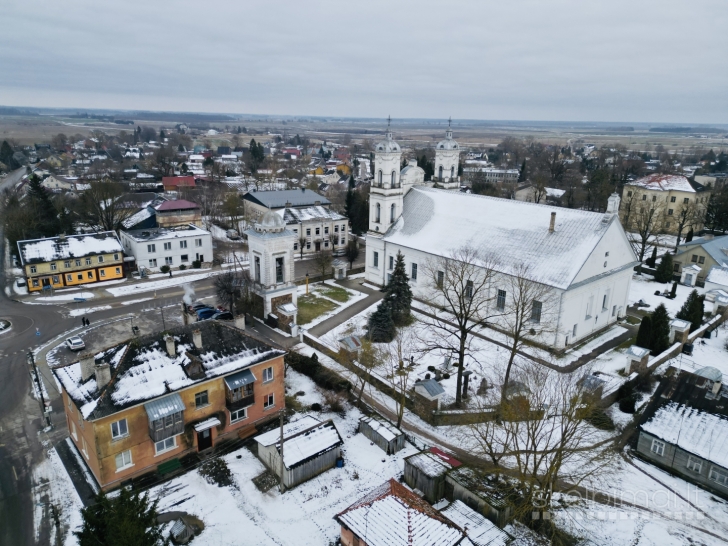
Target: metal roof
239 379
283 198
162 407
432 387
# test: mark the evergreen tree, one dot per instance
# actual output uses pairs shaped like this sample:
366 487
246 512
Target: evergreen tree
127 519
6 155
663 273
652 260
162 136
522 175
42 209
398 292
660 330
689 236
352 182
644 334
673 292
692 310
381 326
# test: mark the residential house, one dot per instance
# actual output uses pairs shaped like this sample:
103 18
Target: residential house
174 183
154 247
322 229
137 408
486 494
258 203
57 183
685 428
531 194
309 448
71 260
705 252
178 213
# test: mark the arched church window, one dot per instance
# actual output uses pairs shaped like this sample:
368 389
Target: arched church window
378 209
392 210
380 179
452 172
394 179
440 175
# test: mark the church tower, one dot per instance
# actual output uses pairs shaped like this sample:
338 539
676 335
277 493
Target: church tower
386 193
447 160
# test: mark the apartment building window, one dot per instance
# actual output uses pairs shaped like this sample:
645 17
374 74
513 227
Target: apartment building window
119 429
669 212
183 244
318 231
123 460
88 261
78 263
268 374
376 259
295 246
667 225
201 399
167 246
84 447
116 256
629 194
391 262
69 278
694 464
719 476
336 229
184 258
326 244
686 200
672 199
308 245
32 269
168 260
53 266
326 230
654 198
73 431
118 271
151 249
658 448
198 242
308 232
101 259
343 229
500 302
238 415
165 445
414 272
67 264
102 273
153 263
536 311
90 274
279 270
268 401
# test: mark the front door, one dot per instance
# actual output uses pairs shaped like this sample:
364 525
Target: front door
688 279
204 440
318 247
46 281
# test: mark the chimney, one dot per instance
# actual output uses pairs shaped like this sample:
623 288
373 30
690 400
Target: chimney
197 339
87 366
169 340
103 375
613 204
716 387
552 225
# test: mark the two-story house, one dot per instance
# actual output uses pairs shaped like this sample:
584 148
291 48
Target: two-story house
317 228
154 247
148 402
71 260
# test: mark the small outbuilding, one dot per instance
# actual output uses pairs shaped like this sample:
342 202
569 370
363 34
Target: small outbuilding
426 471
479 530
310 447
484 493
350 344
637 359
384 434
689 275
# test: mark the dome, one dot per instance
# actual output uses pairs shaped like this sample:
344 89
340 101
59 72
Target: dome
448 143
388 145
270 222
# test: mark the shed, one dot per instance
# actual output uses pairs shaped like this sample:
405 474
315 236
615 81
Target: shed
484 493
388 437
479 530
350 344
310 447
689 275
340 267
426 471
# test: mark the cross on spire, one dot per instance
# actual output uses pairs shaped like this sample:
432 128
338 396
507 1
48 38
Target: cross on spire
389 121
449 121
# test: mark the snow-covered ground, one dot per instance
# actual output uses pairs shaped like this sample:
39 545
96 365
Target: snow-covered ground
644 288
150 286
354 296
64 297
87 310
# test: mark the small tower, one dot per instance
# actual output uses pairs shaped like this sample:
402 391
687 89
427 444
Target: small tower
613 204
386 192
271 270
447 160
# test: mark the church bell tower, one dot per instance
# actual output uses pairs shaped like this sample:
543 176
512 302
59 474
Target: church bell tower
386 193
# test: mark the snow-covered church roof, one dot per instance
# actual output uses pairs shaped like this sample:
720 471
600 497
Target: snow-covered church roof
512 232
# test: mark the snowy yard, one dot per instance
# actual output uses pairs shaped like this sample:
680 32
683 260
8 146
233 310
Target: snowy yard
324 301
644 288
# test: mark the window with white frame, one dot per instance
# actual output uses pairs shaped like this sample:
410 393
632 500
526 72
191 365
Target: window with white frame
78 263
67 264
391 262
414 272
238 415
101 259
500 301
376 259
268 374
33 269
53 266
440 279
719 475
116 256
183 244
119 429
151 248
201 399
658 448
694 464
88 261
184 258
153 262
268 401
198 242
73 431
168 260
167 246
165 445
123 460
536 311
84 447
469 289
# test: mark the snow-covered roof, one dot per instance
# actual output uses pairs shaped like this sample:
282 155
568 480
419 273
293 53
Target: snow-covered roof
158 233
718 275
386 430
302 439
69 246
282 198
138 217
695 431
146 372
513 232
635 351
273 436
663 182
429 464
391 515
716 247
317 213
179 204
431 387
480 530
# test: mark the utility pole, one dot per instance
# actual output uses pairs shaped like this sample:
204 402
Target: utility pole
282 487
164 326
35 377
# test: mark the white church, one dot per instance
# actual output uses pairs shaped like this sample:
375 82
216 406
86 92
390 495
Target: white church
583 258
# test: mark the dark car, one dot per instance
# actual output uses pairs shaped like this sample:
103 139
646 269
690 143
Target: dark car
224 315
197 306
204 314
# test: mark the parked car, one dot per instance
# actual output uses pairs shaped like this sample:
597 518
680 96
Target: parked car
204 314
75 343
232 234
197 306
223 315
20 283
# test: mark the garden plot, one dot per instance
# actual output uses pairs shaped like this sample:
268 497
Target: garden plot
323 301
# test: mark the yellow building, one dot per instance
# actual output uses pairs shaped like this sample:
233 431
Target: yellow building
71 260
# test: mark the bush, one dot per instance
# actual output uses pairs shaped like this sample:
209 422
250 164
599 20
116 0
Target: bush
316 407
627 404
664 272
335 402
599 419
164 269
311 367
216 471
182 267
197 264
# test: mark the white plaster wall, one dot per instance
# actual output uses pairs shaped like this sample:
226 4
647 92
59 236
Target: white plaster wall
448 159
613 242
138 249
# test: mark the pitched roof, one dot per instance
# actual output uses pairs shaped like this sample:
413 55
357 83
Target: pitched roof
69 246
718 275
513 232
303 440
663 182
432 387
179 204
716 247
480 530
296 216
282 198
391 515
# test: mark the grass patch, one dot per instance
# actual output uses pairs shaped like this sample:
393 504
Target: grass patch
633 320
334 292
627 343
310 307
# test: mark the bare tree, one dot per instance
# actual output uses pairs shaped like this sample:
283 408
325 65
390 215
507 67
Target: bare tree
164 159
302 240
644 218
102 207
369 358
323 259
460 284
527 312
687 215
399 368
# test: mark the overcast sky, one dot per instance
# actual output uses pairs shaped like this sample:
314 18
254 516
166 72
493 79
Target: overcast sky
596 60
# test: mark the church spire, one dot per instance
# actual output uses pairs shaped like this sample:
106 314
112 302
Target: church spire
448 132
389 127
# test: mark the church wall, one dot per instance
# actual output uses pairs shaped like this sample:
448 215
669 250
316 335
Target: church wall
613 250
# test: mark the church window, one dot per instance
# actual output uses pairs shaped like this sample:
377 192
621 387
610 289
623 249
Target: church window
392 211
394 179
414 272
391 262
501 300
452 172
440 176
440 279
257 269
380 179
279 270
378 214
469 290
536 311
376 259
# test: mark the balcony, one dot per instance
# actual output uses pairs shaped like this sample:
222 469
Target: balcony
243 402
158 433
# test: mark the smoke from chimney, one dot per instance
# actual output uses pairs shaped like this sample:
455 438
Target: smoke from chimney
189 296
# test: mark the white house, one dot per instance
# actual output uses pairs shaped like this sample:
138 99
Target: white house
323 229
154 247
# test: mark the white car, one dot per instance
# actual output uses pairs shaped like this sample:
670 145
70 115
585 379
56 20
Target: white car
75 343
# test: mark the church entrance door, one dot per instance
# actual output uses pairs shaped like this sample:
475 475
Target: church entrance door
318 247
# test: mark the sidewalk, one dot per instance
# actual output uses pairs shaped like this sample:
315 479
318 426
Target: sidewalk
373 296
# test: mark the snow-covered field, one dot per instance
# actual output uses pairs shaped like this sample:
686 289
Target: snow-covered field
150 286
644 288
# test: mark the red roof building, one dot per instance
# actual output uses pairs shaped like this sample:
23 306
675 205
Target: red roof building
172 183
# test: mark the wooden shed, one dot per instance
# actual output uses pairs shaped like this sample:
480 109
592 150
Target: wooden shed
384 434
426 471
484 493
310 447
